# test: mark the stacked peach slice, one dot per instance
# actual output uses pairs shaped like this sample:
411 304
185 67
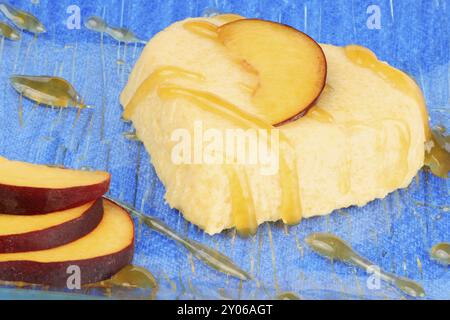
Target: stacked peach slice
53 218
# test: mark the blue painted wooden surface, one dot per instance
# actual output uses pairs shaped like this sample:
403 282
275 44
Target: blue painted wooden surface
395 233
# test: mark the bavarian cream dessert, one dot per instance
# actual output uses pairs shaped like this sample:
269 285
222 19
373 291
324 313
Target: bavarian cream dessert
336 126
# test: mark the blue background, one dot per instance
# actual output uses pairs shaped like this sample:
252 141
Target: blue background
395 233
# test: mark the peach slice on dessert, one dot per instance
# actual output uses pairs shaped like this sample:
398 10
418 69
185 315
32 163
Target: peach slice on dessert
99 254
27 188
21 233
291 66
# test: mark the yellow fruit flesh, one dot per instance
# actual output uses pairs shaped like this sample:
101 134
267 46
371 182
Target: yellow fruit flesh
18 224
291 66
114 233
17 173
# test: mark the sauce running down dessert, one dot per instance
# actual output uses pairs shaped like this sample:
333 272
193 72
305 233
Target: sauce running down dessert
348 149
202 28
290 207
437 156
400 80
158 77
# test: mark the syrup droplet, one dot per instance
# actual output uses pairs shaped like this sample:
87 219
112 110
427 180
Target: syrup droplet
330 246
134 277
8 32
96 24
212 258
23 20
129 277
123 35
48 90
287 296
120 34
437 152
441 253
132 136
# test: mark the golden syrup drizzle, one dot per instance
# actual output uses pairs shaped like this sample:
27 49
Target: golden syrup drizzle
247 87
290 200
319 114
8 33
400 80
211 257
123 35
395 179
131 277
210 31
48 90
214 104
132 136
242 206
334 248
345 181
157 77
228 17
291 207
97 24
22 19
287 296
441 253
397 176
437 157
204 29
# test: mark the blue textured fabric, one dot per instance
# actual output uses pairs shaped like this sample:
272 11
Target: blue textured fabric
395 233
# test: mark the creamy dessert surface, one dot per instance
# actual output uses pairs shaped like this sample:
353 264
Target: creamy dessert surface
363 139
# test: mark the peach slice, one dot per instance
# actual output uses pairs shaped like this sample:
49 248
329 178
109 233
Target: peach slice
19 233
99 254
27 188
291 66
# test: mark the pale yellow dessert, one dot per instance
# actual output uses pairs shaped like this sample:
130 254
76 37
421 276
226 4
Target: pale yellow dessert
362 139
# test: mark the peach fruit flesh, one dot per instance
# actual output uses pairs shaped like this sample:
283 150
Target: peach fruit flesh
27 188
291 66
99 254
21 233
